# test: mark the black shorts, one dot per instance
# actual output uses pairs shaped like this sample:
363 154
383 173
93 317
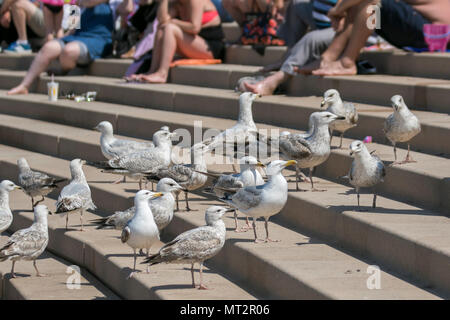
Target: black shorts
214 38
52 8
401 25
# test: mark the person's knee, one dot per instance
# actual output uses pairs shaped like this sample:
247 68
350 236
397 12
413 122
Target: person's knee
70 51
51 49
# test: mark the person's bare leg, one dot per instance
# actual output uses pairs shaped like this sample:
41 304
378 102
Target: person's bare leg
49 23
346 65
174 39
19 10
236 9
268 85
50 51
57 20
69 56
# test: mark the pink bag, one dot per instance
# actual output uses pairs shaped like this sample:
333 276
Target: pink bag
436 36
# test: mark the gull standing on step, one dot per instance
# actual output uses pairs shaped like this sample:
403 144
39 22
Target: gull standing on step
141 231
312 150
195 245
248 176
35 183
76 196
162 208
244 132
28 244
334 103
6 216
265 200
140 163
186 175
401 126
366 171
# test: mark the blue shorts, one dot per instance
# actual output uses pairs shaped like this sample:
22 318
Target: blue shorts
84 58
401 25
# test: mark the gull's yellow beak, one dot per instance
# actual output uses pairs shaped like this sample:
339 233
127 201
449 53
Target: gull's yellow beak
17 187
322 103
260 164
290 163
157 195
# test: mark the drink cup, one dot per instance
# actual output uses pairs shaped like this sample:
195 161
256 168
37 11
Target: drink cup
52 88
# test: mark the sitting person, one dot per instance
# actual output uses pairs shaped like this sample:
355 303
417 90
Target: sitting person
238 8
303 47
401 25
191 28
24 14
91 41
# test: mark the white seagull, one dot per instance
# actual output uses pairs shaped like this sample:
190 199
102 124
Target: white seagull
366 171
195 245
34 183
76 196
6 216
401 126
265 200
141 231
28 244
162 208
334 103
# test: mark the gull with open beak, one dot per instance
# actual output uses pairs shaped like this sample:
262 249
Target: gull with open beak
265 200
401 126
6 216
312 150
141 231
367 170
334 103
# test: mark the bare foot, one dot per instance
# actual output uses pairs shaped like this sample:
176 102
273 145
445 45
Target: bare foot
261 88
20 89
202 287
336 68
153 78
312 66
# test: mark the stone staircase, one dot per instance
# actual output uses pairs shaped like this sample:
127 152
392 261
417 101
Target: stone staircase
326 245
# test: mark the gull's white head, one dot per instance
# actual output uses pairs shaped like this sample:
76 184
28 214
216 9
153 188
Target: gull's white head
284 133
22 163
398 103
163 137
104 127
40 213
275 167
76 167
168 185
356 147
330 96
215 213
7 185
145 195
325 117
247 98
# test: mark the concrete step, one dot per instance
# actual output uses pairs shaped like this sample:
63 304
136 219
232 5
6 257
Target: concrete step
299 266
59 140
56 285
290 112
337 210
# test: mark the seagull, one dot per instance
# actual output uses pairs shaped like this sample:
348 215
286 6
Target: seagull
162 208
312 150
195 245
140 163
366 171
35 183
186 175
29 243
333 101
76 196
401 126
6 216
243 133
248 176
113 147
141 231
265 200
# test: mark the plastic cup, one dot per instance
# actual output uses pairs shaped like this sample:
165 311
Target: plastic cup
53 88
436 36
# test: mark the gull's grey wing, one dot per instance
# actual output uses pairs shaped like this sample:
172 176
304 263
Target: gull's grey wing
25 242
74 196
247 197
125 234
351 113
295 147
5 220
140 162
388 124
35 180
381 169
180 173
